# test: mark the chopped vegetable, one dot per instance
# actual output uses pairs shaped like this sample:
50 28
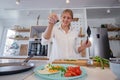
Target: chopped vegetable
56 67
102 61
72 71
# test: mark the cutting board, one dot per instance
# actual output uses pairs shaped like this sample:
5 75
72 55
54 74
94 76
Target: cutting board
23 49
81 62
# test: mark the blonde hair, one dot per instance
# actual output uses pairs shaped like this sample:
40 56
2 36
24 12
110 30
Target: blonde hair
69 11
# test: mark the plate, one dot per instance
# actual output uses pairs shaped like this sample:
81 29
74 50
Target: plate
58 76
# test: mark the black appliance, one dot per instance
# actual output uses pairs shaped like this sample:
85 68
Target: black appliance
36 48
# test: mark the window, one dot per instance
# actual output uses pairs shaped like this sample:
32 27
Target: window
8 43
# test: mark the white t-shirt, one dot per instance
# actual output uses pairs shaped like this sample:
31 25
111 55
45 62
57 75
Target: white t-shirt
64 45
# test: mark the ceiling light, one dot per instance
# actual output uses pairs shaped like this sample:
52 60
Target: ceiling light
67 1
108 11
17 2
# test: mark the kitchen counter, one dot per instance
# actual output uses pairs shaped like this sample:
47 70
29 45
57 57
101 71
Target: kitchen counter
93 73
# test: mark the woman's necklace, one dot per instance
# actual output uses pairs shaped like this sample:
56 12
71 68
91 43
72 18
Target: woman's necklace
65 28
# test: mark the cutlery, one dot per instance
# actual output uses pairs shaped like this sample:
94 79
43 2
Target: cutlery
90 61
88 34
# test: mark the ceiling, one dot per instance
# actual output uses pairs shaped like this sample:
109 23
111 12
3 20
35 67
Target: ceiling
30 9
46 4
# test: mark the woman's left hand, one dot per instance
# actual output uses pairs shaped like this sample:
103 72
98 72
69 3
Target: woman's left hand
86 44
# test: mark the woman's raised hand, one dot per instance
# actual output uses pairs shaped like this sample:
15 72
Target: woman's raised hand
53 18
88 44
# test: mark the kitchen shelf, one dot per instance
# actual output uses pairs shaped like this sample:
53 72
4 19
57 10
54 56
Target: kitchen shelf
113 29
75 19
21 30
114 38
20 38
81 35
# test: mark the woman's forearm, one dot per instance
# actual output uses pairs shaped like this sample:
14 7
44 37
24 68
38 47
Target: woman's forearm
53 18
48 31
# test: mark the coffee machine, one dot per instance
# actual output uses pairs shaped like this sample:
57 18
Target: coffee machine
36 48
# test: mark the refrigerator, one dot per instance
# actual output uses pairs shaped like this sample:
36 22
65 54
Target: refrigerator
100 43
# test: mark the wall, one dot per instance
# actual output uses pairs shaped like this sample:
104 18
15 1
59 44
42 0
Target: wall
23 23
118 21
98 22
1 32
1 29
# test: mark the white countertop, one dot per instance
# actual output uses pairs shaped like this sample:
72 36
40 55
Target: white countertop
93 73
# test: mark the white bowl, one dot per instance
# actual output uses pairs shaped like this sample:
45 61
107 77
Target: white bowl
115 68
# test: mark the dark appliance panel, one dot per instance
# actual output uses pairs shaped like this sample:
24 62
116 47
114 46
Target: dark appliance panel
36 48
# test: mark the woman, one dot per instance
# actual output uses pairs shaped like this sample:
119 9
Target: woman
63 37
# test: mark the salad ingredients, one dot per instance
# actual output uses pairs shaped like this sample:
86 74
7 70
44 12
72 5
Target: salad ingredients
68 71
72 71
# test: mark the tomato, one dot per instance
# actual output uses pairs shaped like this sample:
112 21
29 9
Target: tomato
73 71
70 68
67 74
78 72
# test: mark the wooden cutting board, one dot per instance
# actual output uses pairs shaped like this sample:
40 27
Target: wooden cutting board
81 62
23 49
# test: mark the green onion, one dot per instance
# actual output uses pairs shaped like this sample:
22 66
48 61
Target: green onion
102 61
